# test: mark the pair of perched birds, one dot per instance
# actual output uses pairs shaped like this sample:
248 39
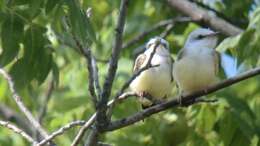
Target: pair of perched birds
195 68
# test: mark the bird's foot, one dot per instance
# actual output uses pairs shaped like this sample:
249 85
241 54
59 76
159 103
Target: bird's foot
145 95
180 100
183 103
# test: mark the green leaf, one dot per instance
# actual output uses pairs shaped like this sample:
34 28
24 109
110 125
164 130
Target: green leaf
80 23
50 5
35 7
227 128
37 60
11 35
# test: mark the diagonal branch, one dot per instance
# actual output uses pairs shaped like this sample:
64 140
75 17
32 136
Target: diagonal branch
157 26
202 16
9 114
43 109
21 105
60 131
185 99
170 25
18 131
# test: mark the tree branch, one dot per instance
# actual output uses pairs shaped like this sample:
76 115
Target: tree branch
185 99
202 16
164 34
9 115
93 138
91 120
83 129
102 105
47 97
60 131
233 21
96 77
91 67
159 25
18 131
21 105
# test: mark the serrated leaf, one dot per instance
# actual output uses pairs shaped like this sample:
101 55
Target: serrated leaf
11 35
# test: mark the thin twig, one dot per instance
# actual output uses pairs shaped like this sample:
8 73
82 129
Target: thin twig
176 102
89 58
83 129
168 28
8 114
21 105
157 26
167 31
43 109
91 120
18 131
202 17
96 78
60 131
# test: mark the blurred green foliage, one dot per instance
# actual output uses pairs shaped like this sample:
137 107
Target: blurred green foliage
36 46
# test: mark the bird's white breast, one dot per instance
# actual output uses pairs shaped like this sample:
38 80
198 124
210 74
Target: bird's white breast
195 70
157 80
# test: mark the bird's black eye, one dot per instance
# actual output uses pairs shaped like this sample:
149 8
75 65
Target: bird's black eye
200 37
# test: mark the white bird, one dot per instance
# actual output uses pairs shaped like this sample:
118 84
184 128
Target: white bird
197 63
157 81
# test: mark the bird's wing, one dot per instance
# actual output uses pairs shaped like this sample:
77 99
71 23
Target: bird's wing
139 62
180 54
216 61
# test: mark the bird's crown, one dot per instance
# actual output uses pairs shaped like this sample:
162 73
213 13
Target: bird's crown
157 40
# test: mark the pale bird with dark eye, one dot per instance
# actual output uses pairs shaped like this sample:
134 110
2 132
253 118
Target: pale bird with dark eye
157 82
197 64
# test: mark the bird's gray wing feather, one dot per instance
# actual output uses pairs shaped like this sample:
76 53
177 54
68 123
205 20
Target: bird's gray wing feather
180 54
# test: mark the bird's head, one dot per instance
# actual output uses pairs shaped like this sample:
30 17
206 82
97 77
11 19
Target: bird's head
202 38
162 48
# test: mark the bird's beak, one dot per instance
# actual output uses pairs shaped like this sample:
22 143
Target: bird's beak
212 34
